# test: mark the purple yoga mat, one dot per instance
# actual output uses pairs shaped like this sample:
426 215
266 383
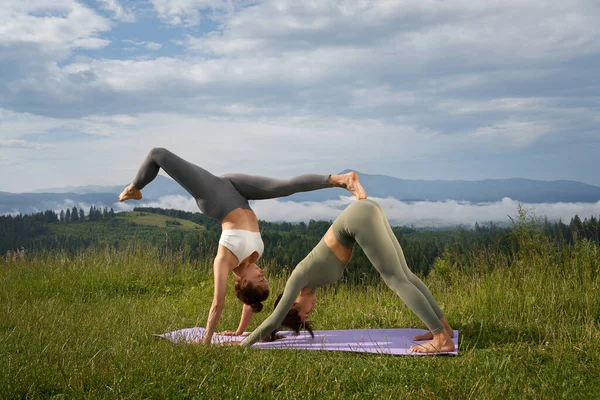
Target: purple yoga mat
380 341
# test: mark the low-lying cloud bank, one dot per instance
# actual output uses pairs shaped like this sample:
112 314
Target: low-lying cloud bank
418 214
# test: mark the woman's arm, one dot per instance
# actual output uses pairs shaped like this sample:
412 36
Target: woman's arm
221 271
292 288
247 315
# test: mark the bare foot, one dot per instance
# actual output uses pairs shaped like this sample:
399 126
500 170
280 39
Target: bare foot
428 335
350 182
425 336
130 192
441 343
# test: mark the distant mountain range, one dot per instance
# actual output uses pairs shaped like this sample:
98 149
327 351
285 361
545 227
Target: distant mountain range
484 191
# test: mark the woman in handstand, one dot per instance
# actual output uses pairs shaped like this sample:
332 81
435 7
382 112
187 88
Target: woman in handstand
365 223
226 198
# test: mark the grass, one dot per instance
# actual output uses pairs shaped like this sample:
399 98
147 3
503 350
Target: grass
81 327
144 218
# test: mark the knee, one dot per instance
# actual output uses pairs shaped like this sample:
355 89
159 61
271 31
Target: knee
157 152
394 281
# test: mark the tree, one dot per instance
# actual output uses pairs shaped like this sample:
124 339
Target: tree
74 214
68 215
576 227
593 229
81 214
50 216
62 216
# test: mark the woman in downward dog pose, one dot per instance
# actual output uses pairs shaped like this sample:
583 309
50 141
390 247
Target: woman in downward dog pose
365 223
226 198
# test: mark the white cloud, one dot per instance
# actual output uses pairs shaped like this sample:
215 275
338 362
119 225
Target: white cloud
147 45
152 45
510 134
425 214
115 119
192 12
415 30
418 214
120 13
13 213
18 125
289 86
68 204
373 59
166 202
13 124
517 105
56 27
23 144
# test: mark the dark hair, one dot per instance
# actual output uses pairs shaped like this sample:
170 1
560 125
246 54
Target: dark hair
291 321
251 295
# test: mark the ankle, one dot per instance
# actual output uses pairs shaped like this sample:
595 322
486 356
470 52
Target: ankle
337 181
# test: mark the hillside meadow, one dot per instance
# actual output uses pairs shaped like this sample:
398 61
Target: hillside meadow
80 326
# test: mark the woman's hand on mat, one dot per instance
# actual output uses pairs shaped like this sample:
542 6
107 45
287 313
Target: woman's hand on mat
232 333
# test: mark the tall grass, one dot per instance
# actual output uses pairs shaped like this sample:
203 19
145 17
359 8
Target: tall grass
80 326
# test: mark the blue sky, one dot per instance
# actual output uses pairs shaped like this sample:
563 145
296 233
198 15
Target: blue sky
422 89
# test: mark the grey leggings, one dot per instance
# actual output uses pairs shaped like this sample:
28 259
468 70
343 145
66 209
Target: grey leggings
218 196
367 223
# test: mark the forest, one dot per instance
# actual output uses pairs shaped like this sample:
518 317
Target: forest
286 243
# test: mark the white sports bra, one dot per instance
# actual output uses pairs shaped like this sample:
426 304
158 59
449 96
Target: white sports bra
242 243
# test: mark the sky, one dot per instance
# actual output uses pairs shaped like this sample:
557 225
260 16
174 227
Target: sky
415 89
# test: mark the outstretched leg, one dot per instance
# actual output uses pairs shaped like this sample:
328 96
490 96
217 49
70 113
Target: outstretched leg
254 187
197 181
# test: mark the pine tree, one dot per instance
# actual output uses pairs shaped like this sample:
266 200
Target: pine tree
74 214
593 228
576 227
62 216
49 216
68 215
81 215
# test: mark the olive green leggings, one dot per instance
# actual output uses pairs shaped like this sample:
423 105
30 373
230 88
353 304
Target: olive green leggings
366 223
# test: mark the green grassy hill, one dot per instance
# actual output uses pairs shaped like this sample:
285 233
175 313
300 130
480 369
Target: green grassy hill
80 326
162 221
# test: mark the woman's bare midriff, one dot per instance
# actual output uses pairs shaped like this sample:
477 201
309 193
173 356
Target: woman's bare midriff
242 219
342 253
